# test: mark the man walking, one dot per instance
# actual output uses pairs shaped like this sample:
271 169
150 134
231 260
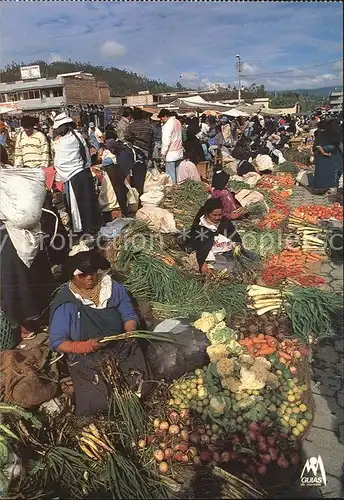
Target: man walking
32 147
172 143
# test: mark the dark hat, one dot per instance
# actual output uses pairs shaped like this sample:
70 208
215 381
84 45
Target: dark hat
28 121
87 262
164 112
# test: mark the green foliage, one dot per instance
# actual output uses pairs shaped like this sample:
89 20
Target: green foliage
121 82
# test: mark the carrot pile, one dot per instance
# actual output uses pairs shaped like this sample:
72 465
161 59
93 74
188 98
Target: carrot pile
284 180
302 166
311 213
279 211
292 264
287 351
272 220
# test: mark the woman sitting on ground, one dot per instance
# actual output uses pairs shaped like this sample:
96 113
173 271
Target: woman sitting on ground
213 237
220 190
91 306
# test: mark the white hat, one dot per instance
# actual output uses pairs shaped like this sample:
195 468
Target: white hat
61 119
155 117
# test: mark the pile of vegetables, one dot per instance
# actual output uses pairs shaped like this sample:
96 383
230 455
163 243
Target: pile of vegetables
312 311
263 242
184 200
292 263
284 180
312 213
235 185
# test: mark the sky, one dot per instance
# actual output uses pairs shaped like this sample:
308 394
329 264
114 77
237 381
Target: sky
194 43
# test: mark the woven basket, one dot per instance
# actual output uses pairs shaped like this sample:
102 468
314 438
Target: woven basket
7 340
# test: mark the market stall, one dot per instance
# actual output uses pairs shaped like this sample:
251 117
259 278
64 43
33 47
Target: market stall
231 401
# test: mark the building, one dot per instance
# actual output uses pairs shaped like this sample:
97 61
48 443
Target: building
69 89
336 100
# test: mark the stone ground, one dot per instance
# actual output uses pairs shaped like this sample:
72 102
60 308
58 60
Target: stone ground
326 437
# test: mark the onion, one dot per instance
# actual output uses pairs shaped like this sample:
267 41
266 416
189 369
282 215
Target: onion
208 427
265 458
156 423
201 429
142 443
185 413
282 462
254 427
212 447
262 447
184 435
160 433
192 451
194 437
251 436
205 439
163 446
168 453
197 461
271 440
293 370
174 417
214 438
209 433
205 456
164 426
151 439
235 440
178 456
159 455
185 459
174 430
183 447
273 453
216 457
262 469
225 457
163 467
294 458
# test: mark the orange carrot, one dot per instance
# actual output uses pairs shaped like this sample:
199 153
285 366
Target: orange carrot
264 351
284 355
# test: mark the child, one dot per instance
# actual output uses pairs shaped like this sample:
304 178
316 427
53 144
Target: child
219 183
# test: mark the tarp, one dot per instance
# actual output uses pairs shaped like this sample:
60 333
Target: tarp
197 102
235 113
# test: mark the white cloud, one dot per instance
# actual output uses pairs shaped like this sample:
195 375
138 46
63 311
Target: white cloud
54 57
112 49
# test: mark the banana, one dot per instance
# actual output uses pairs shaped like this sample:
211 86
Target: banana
97 441
8 431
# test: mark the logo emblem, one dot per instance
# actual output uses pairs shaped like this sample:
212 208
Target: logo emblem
313 473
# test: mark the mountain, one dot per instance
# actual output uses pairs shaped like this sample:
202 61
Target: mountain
121 82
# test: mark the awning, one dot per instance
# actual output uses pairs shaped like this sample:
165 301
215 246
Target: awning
8 108
198 103
235 113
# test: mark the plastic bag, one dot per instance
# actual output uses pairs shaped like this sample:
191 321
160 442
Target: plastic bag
155 179
22 195
158 219
170 361
246 197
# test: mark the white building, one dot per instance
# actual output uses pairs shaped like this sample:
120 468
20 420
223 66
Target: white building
336 100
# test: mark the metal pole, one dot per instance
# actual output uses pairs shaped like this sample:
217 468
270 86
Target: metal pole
239 78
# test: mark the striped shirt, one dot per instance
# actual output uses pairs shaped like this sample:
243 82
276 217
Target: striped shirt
32 151
139 133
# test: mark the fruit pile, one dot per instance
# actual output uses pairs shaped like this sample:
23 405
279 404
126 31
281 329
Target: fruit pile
311 213
283 180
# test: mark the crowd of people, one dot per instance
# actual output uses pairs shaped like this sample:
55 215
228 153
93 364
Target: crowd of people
75 160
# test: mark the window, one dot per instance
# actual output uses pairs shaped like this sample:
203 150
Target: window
3 98
124 102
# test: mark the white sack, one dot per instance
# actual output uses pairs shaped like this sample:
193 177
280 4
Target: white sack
26 242
152 198
22 195
155 179
107 197
246 197
158 219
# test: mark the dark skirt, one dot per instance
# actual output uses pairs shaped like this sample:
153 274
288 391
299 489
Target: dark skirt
327 170
86 198
25 291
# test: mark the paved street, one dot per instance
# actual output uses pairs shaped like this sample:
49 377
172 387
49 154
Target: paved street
326 438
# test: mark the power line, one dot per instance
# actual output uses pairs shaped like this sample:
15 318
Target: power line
291 70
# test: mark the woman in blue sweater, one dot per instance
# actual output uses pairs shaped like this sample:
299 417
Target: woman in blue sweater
91 306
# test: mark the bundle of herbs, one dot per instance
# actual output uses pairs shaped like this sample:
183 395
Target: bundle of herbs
184 201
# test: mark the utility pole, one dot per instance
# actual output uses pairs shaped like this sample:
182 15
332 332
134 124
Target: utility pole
239 70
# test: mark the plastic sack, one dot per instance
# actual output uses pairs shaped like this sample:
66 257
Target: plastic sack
114 228
304 178
107 197
155 179
158 219
246 197
152 198
25 241
170 361
22 195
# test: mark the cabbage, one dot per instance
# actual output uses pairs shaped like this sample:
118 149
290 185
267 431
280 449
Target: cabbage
218 405
221 334
219 315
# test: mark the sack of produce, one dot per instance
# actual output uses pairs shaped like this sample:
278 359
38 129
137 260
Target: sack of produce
155 179
158 219
22 195
171 361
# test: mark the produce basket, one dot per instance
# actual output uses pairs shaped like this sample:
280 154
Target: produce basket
7 339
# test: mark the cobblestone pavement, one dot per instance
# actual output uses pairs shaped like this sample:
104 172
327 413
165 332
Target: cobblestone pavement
326 437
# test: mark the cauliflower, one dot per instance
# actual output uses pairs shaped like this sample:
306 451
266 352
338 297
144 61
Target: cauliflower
231 383
205 323
246 359
219 316
218 404
250 379
221 334
216 352
225 366
233 347
264 361
272 379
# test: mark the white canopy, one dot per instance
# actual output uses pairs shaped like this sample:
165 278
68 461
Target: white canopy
8 108
235 113
197 102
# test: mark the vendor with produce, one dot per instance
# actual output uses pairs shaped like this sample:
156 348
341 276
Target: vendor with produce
91 306
213 237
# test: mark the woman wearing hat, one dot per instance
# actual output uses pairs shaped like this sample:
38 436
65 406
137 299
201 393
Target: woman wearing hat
72 163
91 306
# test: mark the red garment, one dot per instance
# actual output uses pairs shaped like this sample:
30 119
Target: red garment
84 346
228 201
50 182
